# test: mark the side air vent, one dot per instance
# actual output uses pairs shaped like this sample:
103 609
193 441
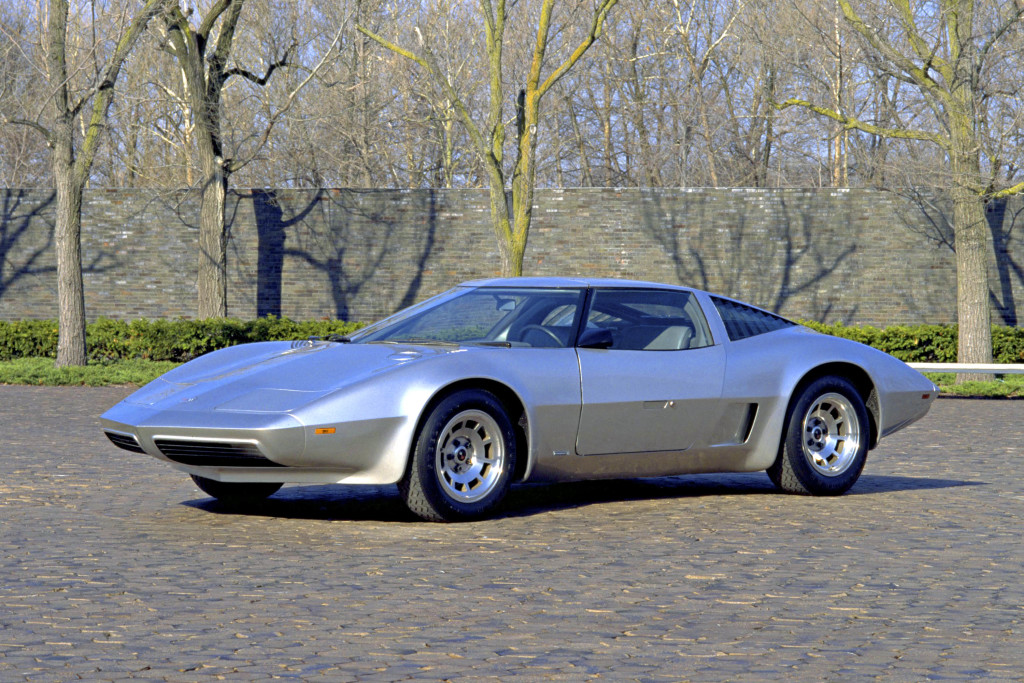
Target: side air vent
126 441
213 453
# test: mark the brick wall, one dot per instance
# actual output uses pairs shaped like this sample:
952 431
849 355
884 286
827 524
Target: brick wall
858 256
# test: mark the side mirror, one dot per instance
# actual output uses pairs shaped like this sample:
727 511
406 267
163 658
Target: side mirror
596 338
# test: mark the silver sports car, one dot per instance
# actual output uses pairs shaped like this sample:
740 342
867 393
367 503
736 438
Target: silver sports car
528 379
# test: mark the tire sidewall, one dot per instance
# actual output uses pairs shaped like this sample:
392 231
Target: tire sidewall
813 481
423 468
236 493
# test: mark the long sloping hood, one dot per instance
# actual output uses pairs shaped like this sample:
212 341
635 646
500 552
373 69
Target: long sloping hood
273 376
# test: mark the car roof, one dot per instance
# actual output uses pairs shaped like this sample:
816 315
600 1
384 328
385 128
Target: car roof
569 282
602 282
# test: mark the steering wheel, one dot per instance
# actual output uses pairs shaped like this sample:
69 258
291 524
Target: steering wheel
539 328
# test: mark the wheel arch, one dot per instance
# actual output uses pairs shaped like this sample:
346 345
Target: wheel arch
509 399
860 380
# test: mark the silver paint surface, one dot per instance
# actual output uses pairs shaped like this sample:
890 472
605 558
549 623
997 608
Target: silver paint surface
589 413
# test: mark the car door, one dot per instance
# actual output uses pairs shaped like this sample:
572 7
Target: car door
655 381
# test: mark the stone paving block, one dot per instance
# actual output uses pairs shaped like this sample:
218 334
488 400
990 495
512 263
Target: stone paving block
115 567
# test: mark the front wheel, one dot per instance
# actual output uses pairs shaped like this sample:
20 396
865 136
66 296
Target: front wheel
463 459
825 445
236 492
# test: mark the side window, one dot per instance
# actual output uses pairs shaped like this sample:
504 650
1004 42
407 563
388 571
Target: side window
560 316
743 321
649 319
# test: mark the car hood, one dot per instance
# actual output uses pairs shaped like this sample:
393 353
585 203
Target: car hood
275 376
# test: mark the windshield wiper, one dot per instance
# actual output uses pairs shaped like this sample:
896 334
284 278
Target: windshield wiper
339 338
502 344
425 342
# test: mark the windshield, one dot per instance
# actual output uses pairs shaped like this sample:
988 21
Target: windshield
507 315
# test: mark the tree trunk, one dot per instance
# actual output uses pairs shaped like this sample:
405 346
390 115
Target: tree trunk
969 224
204 75
70 174
212 301
511 257
213 281
68 185
972 293
70 290
522 212
524 182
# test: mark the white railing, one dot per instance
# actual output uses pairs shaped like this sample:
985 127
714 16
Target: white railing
979 368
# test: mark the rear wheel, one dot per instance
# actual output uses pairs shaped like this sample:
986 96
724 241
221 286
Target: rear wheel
825 445
463 459
236 492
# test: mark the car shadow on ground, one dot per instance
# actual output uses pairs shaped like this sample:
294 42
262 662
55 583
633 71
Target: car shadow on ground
384 504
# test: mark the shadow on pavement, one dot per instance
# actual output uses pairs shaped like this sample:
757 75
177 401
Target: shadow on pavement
384 504
332 502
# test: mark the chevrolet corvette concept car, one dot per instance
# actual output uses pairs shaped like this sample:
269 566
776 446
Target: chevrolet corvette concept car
528 379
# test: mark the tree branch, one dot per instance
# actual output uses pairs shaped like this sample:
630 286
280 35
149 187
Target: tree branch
43 130
233 166
211 17
428 65
918 74
179 33
998 33
596 26
920 47
104 90
853 123
395 48
261 80
1008 192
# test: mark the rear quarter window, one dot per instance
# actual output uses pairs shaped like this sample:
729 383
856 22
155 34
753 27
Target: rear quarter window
742 321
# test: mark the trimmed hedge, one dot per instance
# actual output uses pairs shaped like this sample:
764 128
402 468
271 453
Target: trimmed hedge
927 343
182 340
162 340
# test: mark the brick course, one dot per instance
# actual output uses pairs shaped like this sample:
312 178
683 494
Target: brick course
857 256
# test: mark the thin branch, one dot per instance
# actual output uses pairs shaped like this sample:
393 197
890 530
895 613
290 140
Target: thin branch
43 130
997 34
395 48
920 47
918 74
428 65
265 78
1010 191
596 26
853 123
211 17
233 166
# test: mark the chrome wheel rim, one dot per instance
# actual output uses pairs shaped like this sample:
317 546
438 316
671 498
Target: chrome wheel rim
470 456
831 435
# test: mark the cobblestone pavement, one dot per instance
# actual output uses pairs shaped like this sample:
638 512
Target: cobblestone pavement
114 566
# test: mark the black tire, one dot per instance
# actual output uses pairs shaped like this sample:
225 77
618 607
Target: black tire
825 443
236 492
462 461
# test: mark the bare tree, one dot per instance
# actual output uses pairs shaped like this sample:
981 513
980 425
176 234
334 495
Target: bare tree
489 138
203 53
150 142
941 52
24 160
204 76
73 141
